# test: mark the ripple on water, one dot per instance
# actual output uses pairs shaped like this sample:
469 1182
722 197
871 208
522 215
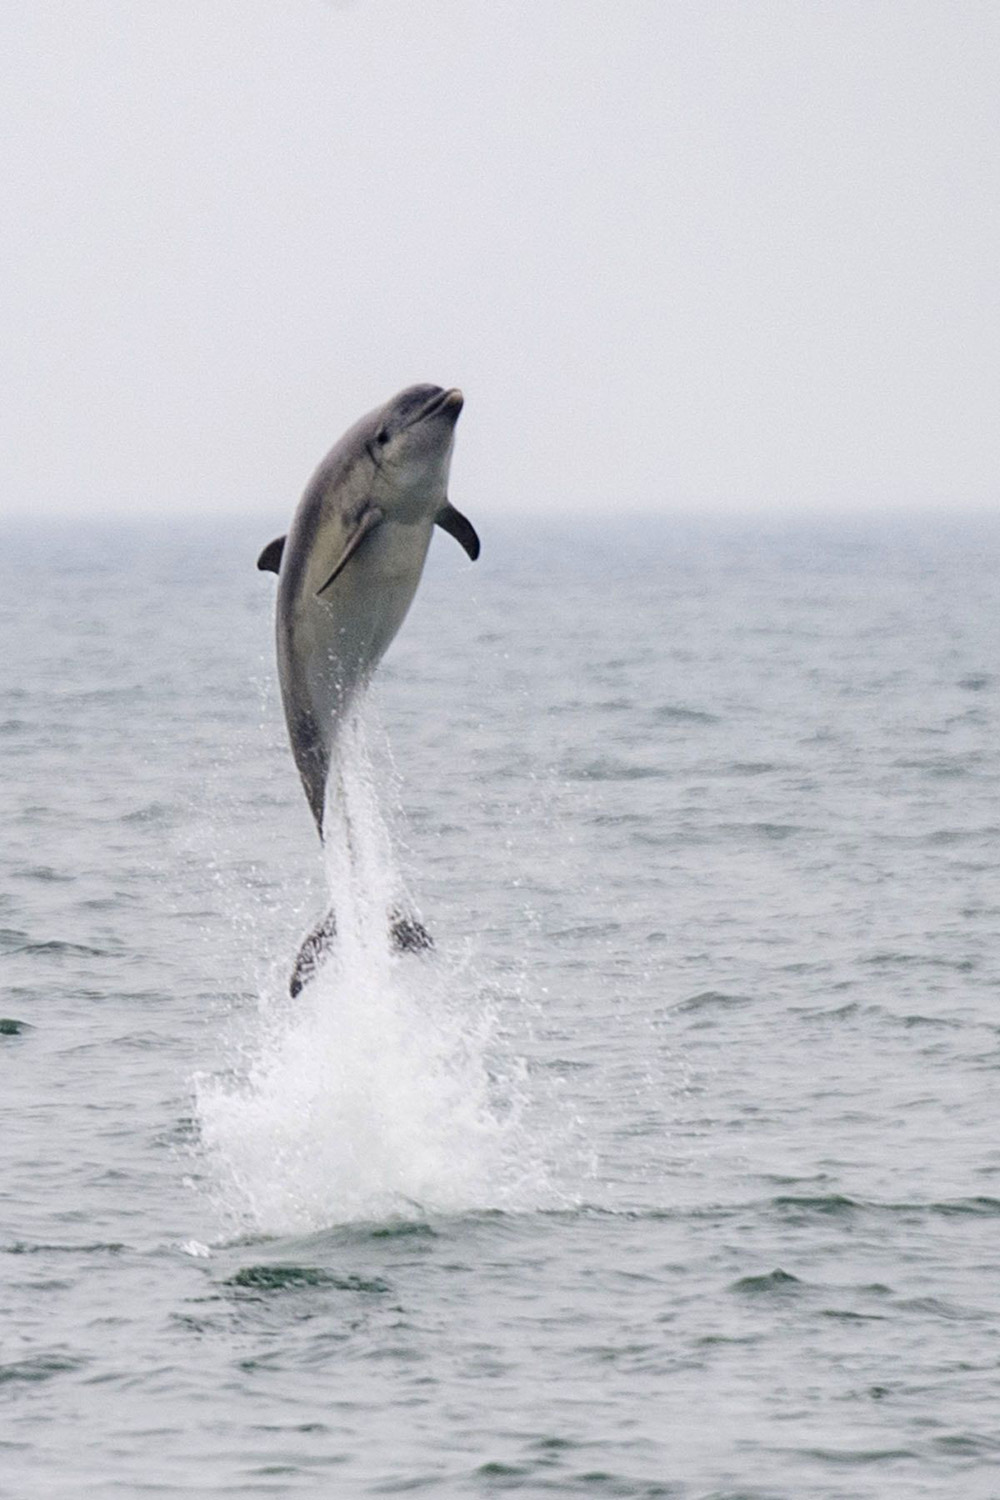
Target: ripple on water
768 1284
39 1367
710 1000
775 833
825 1205
43 873
675 713
968 1444
151 812
497 1476
9 1026
57 948
279 1278
861 1457
607 769
98 1247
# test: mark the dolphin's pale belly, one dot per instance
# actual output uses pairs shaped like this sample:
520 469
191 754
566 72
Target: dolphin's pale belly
354 625
333 643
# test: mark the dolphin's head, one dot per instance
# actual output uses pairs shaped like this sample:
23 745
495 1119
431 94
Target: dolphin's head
409 441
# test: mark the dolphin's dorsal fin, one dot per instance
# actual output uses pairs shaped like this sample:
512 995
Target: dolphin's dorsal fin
454 523
369 518
269 560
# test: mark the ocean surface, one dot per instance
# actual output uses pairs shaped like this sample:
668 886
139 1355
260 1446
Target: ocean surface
673 1171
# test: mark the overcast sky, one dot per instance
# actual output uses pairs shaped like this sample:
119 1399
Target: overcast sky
679 254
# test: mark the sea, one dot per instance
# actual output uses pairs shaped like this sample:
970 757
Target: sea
672 1170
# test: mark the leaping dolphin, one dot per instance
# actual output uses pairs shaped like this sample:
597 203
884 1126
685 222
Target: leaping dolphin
347 573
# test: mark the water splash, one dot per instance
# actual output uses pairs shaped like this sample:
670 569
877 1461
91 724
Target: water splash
384 1089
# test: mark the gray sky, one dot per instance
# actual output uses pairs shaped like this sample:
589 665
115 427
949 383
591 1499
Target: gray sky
679 256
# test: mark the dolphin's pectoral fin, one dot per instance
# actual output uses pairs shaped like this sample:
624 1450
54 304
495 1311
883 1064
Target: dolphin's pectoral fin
366 523
409 935
454 523
269 560
312 952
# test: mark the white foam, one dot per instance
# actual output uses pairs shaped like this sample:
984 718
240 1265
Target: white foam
384 1089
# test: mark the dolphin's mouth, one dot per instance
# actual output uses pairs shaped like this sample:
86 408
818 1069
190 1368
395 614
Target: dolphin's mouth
451 401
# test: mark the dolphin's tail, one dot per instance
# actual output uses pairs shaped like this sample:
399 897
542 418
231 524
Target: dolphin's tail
408 935
311 953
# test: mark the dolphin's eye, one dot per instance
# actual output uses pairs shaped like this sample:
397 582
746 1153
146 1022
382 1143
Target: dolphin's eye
382 436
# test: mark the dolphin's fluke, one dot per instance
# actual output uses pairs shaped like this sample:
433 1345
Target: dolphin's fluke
408 935
312 952
269 560
455 524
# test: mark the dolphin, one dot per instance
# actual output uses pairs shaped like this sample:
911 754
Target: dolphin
347 573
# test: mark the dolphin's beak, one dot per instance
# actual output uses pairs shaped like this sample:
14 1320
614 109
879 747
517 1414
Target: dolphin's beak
449 401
